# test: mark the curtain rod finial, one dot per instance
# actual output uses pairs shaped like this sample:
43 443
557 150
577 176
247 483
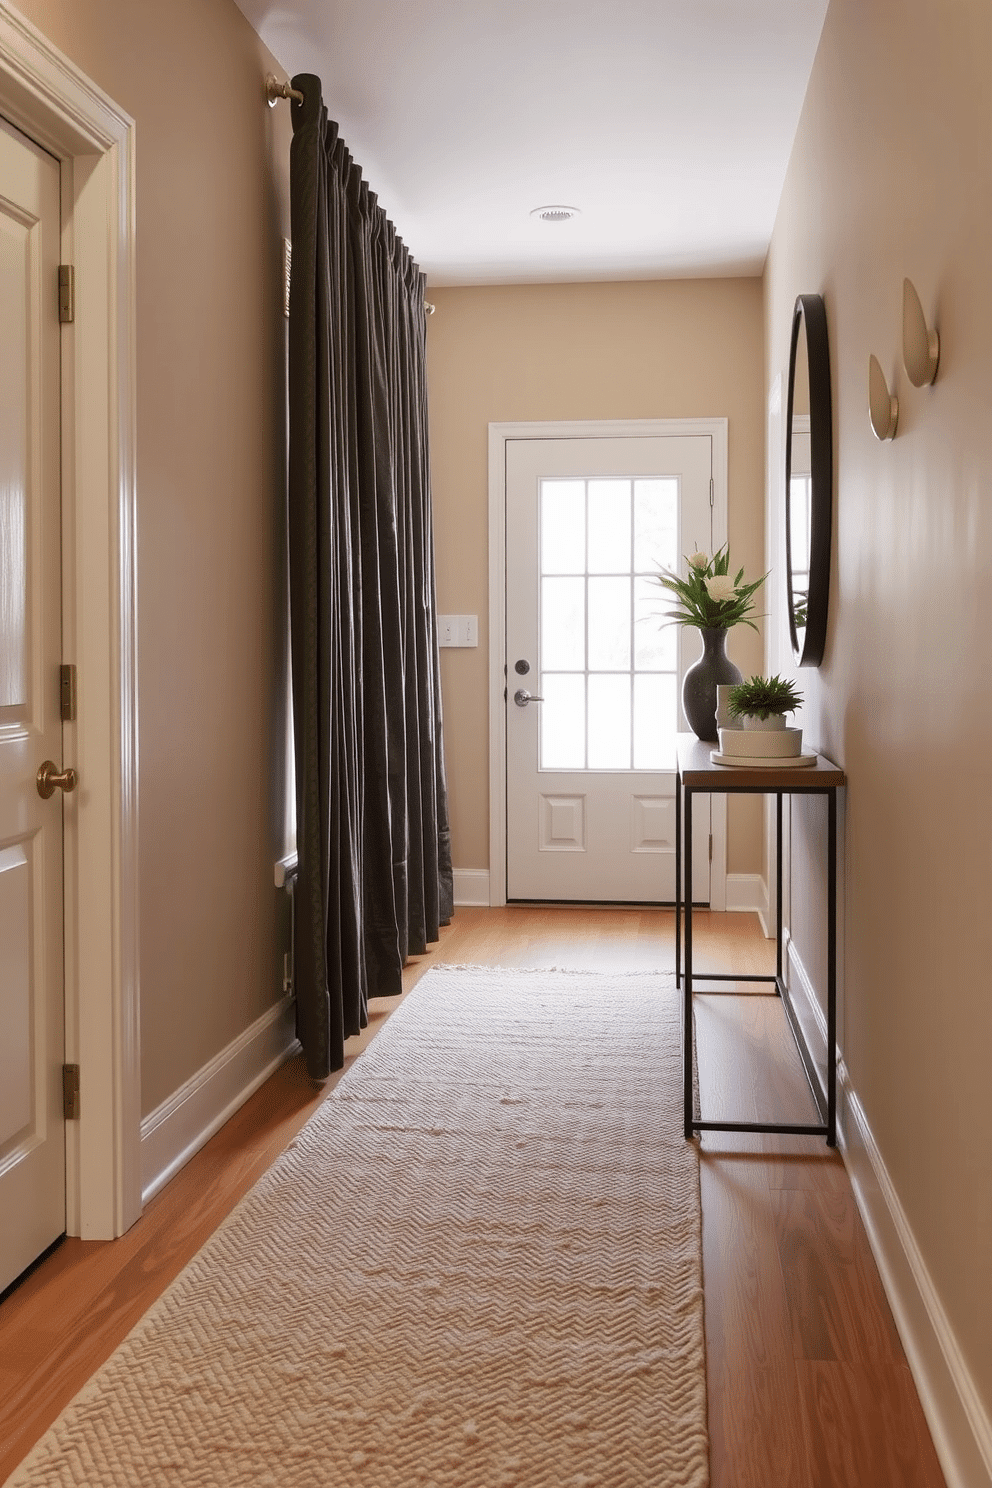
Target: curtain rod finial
274 90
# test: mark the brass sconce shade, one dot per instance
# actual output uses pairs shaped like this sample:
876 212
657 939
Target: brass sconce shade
883 409
920 345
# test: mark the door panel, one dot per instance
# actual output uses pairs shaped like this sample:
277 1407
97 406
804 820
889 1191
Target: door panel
590 760
32 1010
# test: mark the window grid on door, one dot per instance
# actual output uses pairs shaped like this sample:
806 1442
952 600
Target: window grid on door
608 666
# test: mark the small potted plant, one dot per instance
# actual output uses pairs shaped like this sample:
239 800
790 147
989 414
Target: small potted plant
763 702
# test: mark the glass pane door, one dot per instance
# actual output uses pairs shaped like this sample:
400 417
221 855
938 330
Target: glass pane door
608 667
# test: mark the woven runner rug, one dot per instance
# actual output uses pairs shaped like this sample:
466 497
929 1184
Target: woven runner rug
478 1266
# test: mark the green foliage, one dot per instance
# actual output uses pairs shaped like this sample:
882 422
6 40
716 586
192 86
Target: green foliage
697 606
759 697
800 601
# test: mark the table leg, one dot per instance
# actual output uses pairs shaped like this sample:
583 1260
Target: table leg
832 968
687 1004
778 892
678 879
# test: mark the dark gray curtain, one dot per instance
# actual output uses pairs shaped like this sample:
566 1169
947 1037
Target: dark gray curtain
374 879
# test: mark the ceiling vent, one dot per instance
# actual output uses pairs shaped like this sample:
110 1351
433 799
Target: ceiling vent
555 213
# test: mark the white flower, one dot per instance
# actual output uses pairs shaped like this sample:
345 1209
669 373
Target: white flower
699 560
721 586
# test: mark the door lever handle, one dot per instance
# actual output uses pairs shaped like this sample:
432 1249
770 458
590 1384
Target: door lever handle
50 776
522 697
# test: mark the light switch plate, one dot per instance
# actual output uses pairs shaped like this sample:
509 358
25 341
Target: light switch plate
458 630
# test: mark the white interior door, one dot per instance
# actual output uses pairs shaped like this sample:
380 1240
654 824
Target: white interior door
590 788
32 1007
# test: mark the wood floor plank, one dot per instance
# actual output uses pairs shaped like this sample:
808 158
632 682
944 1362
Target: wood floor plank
755 1422
754 1438
748 1321
864 1429
815 1237
809 1163
881 1336
838 1307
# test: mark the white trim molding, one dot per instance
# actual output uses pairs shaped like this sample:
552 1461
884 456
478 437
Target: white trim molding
48 98
499 434
952 1403
181 1125
471 886
958 1421
748 892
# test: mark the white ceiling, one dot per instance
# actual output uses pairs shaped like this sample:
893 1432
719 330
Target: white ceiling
669 123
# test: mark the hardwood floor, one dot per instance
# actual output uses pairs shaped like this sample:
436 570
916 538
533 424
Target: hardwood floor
808 1383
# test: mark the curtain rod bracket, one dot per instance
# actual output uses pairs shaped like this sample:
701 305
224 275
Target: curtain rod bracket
274 90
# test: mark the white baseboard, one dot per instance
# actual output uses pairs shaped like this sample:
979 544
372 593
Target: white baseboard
745 891
472 886
181 1125
749 892
797 979
958 1420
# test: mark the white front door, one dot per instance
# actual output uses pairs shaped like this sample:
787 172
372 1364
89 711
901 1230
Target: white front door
590 787
32 1008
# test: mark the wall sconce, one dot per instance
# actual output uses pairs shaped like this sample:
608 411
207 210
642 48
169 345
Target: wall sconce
920 345
883 409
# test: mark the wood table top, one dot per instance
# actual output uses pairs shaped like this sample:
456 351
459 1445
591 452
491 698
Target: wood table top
698 771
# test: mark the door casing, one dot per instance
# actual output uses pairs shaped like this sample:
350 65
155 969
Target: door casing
499 434
49 99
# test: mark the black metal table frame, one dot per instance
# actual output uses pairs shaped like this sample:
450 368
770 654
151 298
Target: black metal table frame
826 1104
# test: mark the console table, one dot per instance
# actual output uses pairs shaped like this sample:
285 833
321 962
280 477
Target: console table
696 774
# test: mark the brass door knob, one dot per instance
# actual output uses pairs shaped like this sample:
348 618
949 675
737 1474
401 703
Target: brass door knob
50 776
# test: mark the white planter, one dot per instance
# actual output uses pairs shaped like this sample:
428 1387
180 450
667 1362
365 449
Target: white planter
761 743
771 724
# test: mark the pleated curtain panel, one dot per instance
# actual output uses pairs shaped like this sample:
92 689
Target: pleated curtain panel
374 882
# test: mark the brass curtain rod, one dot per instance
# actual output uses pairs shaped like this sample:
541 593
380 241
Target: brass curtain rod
274 90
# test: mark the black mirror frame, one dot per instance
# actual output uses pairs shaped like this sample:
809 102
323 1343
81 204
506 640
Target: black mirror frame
810 309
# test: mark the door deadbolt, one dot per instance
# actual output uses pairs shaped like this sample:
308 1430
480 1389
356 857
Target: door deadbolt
50 778
522 667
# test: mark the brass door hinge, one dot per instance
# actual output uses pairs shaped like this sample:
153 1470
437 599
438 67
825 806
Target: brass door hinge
67 294
67 691
70 1092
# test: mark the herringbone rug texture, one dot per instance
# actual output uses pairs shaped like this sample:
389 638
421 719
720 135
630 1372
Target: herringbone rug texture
478 1266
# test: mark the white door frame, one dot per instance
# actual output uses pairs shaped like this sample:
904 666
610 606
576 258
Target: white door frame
48 98
499 434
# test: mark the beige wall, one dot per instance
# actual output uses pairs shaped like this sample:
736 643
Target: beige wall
658 349
212 206
891 177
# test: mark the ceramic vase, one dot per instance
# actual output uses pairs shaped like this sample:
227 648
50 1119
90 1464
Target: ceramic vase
701 679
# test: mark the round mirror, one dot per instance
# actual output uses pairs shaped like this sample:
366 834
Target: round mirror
808 480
